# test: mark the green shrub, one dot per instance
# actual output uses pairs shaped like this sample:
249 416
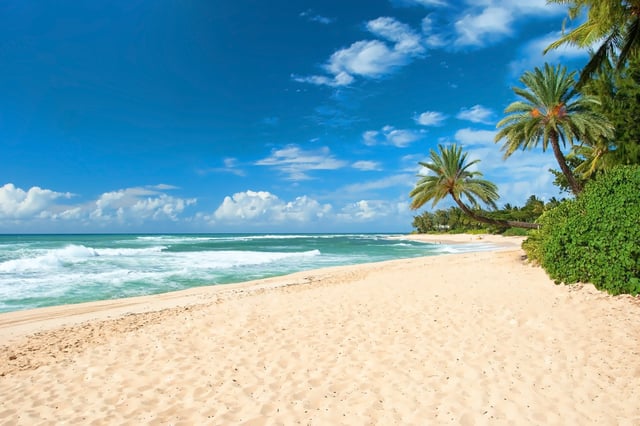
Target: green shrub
596 237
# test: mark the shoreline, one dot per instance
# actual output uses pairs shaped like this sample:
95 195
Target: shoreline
512 242
469 338
19 324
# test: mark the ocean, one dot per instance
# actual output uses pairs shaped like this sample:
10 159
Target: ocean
50 270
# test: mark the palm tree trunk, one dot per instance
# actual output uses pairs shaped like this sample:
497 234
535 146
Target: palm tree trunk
576 186
496 222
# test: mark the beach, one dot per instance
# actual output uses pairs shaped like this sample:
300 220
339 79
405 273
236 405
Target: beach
471 338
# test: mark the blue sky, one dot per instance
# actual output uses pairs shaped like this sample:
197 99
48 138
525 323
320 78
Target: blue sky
251 116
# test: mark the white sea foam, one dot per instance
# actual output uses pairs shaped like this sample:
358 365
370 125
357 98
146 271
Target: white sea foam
60 269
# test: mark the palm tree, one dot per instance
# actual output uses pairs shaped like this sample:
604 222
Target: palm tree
453 177
615 24
551 111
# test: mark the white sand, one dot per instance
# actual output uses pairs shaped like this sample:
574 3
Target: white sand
476 338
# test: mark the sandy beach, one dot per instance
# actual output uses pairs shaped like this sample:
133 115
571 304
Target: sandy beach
474 338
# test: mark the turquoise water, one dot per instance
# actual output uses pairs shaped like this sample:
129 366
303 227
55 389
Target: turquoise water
48 270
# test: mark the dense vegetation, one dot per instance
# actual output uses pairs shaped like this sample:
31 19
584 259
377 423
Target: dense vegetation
594 237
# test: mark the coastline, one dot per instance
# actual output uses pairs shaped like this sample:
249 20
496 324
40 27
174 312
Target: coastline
469 338
497 240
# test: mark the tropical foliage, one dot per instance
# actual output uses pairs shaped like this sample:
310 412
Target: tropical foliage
454 220
619 93
552 112
453 176
594 238
613 25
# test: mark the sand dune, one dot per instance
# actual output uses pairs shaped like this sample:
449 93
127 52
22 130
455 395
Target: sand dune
476 338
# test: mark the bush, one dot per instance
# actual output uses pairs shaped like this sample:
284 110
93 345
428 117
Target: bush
596 237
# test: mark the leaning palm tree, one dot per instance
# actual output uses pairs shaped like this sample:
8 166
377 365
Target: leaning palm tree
613 24
551 112
453 177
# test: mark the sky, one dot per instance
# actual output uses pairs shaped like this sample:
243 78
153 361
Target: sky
254 116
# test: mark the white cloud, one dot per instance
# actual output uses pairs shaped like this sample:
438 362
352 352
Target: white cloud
406 40
482 22
130 206
472 137
16 203
340 79
261 207
230 166
389 135
420 2
314 17
476 114
492 22
296 162
138 204
266 211
370 210
430 118
366 165
401 180
431 37
370 58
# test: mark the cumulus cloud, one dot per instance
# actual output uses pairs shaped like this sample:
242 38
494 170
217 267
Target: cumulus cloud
430 118
476 114
130 206
262 207
295 162
265 210
370 210
16 203
371 58
138 204
389 135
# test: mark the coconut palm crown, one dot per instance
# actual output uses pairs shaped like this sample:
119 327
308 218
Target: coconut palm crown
452 176
551 112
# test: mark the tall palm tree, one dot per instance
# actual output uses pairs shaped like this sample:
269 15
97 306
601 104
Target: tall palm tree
615 24
551 111
453 177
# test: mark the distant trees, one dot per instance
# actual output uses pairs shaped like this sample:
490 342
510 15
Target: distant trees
454 219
